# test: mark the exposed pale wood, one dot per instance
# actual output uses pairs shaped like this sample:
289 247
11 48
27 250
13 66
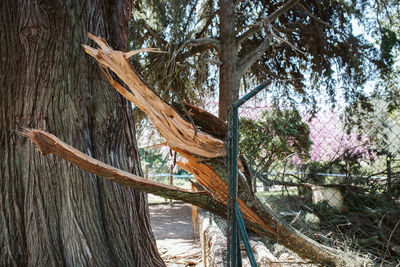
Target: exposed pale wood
146 172
50 144
218 187
178 132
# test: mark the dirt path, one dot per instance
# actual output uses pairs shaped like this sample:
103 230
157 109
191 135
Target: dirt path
172 227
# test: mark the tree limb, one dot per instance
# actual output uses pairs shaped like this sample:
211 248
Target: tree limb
50 144
210 174
194 6
252 30
249 59
154 34
208 23
314 17
245 63
276 14
216 203
204 42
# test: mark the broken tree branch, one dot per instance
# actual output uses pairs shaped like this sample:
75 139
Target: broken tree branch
175 129
50 144
152 32
210 170
250 58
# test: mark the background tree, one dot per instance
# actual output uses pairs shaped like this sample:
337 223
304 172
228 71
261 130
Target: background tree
302 46
272 141
53 214
277 136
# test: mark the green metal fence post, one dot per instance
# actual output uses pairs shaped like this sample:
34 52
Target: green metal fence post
234 214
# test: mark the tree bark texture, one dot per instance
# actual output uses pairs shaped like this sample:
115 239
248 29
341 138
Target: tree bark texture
52 213
229 78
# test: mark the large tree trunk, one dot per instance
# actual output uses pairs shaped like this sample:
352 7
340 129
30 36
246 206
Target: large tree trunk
52 213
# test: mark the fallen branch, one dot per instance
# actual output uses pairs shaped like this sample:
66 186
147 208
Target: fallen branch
50 144
209 170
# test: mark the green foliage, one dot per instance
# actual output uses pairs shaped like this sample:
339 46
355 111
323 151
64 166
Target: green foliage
168 26
311 44
275 136
313 168
348 163
389 41
154 158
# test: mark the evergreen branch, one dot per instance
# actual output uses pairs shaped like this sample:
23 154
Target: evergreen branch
199 45
286 42
276 14
192 10
252 30
204 42
312 16
154 34
245 63
288 5
208 23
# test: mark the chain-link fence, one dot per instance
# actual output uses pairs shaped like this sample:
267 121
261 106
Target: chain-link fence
334 175
170 176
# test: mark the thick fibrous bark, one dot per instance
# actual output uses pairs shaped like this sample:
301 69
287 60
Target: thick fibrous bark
51 213
179 135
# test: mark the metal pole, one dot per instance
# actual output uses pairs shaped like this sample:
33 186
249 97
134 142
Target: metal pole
250 94
232 257
234 214
234 187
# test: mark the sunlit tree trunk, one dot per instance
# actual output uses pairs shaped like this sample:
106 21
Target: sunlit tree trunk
229 78
52 213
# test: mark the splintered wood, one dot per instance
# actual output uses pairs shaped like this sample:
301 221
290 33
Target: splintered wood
181 136
178 132
206 176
